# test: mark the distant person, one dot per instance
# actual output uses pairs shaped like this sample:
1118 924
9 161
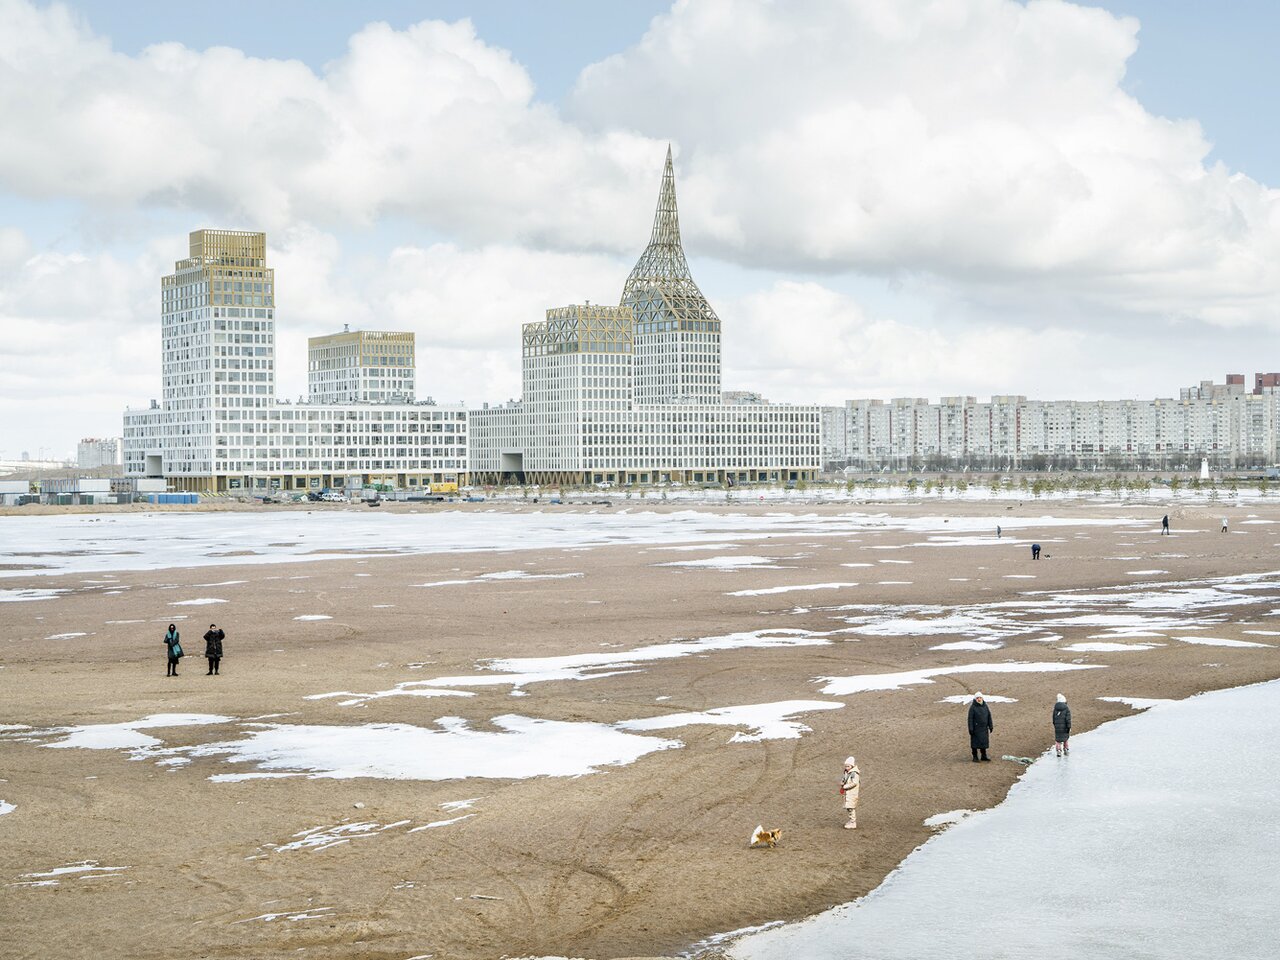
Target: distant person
213 648
998 531
1061 726
1224 524
980 727
849 783
174 648
1164 526
1035 551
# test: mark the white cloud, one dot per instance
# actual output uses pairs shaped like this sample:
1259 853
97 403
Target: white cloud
986 141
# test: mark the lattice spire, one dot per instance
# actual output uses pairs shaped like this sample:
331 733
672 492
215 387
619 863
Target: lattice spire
662 272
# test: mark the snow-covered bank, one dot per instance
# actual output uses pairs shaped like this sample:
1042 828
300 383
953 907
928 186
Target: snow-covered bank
1155 838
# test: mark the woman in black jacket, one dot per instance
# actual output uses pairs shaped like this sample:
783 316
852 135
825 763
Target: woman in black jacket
980 727
213 648
1061 726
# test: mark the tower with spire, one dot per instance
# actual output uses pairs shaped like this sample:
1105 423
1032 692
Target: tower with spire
677 333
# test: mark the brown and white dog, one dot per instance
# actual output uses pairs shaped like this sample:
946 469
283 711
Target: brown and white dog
763 837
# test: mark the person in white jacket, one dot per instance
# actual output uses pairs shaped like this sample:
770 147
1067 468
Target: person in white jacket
849 784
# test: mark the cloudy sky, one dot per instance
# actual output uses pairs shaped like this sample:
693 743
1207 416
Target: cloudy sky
880 197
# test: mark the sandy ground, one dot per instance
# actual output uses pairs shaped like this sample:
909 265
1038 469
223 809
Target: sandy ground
646 858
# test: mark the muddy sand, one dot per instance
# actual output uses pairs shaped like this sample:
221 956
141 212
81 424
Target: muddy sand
483 836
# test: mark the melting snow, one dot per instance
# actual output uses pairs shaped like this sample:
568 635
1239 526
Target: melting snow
764 721
806 586
502 575
868 682
1136 703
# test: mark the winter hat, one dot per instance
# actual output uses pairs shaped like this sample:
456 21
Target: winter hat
1061 698
850 762
978 696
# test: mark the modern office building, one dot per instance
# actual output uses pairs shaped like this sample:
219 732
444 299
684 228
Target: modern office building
361 366
1222 423
219 426
631 394
93 453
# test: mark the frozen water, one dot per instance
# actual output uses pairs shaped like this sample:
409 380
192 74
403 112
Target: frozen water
946 819
22 596
501 575
1137 703
77 543
521 747
764 721
727 563
767 591
1114 853
1102 646
1219 642
122 736
867 682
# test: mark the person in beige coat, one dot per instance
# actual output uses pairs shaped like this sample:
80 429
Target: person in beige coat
849 784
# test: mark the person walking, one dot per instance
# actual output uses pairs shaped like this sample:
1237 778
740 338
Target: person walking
213 648
980 727
1035 551
998 531
174 646
849 784
1224 524
1061 726
1164 526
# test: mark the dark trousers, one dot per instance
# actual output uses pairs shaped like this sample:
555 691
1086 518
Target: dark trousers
213 664
173 667
975 753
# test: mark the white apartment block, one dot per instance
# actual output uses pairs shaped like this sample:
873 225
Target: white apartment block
1221 423
93 453
219 426
631 394
361 366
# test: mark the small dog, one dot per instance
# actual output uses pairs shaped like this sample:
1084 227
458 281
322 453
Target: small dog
763 837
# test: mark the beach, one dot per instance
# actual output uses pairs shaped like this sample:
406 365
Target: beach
523 730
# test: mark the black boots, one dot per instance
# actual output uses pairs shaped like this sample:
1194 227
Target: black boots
985 757
975 755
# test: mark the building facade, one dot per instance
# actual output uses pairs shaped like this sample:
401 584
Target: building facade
93 453
219 426
1231 428
631 394
361 366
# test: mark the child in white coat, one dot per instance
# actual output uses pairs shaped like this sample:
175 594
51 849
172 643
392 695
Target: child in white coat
849 784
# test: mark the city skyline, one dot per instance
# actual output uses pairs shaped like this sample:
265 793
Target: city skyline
867 229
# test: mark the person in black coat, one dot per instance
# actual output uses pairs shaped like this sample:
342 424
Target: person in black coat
213 648
1061 726
980 727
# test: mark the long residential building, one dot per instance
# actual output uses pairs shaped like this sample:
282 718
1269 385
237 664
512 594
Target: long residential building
1221 423
631 394
219 426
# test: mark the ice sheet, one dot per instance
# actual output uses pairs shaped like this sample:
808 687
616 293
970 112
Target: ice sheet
868 682
519 748
763 721
1108 854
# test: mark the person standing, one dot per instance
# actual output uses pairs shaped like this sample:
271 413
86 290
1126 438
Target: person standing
980 727
173 645
1061 726
998 531
849 784
1224 524
213 648
1164 525
1035 551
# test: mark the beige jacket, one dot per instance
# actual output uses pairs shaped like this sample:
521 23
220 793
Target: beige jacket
849 784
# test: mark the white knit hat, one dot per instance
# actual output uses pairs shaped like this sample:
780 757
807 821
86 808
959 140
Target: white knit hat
978 695
850 762
1061 698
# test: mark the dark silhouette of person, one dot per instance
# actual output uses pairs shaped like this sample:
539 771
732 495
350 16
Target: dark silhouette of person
213 648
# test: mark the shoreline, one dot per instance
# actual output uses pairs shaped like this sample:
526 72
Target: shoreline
643 858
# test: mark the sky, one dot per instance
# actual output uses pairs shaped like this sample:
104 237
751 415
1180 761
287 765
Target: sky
881 199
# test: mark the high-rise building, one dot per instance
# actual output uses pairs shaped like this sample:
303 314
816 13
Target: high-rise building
219 426
631 394
94 452
677 333
371 366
